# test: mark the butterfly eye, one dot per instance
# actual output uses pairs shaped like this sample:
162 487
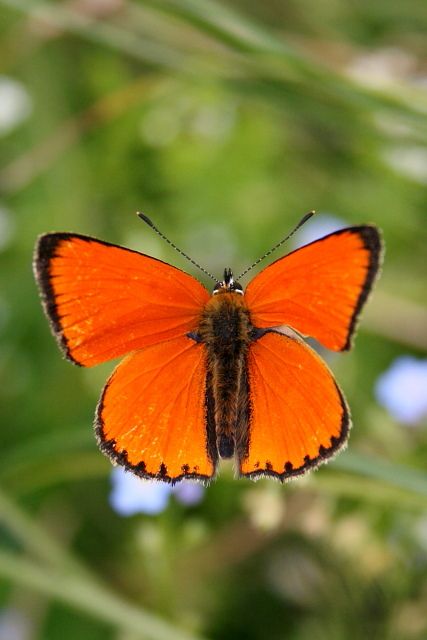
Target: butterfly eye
217 288
237 288
228 284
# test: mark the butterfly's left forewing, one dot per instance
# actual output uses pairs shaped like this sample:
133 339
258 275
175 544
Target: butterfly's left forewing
298 415
104 301
151 417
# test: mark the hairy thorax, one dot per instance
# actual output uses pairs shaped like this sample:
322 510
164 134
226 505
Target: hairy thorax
225 329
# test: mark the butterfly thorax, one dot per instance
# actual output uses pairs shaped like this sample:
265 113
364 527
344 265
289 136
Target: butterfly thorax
225 329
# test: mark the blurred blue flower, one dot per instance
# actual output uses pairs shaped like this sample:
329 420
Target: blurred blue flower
189 493
131 495
402 389
13 625
319 226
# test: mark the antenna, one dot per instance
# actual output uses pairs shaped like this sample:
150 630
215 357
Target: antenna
162 235
303 220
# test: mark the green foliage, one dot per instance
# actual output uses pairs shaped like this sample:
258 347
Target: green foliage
225 123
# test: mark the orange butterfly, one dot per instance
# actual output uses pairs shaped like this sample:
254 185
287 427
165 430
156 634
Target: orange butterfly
211 376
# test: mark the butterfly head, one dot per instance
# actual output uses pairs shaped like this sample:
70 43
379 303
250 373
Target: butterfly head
228 284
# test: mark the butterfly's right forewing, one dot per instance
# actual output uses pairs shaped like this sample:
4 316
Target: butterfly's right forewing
319 289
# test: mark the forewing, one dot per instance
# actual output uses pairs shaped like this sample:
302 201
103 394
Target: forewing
151 417
298 415
320 289
104 300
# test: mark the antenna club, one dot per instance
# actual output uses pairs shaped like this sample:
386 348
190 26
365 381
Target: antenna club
145 218
305 218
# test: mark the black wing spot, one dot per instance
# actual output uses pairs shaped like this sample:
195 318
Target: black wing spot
289 467
185 469
163 471
268 465
122 457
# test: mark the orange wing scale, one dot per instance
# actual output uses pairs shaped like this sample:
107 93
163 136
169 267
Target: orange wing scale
151 416
299 417
320 289
104 301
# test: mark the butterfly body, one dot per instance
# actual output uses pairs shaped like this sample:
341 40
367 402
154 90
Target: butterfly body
211 376
225 330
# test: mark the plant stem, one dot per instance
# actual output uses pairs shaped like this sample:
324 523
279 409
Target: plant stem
94 600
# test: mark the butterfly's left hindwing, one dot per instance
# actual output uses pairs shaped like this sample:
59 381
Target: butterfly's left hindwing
151 417
298 415
104 301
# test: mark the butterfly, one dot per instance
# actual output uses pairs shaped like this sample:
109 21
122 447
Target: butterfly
211 375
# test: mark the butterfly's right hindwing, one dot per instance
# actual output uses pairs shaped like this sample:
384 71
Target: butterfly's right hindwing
298 415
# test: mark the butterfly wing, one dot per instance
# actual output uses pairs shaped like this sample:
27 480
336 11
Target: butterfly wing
103 300
298 415
151 417
320 289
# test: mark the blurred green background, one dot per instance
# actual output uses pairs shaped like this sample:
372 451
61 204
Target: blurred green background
225 123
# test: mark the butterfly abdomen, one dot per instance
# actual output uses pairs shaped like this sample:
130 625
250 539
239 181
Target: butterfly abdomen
225 329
